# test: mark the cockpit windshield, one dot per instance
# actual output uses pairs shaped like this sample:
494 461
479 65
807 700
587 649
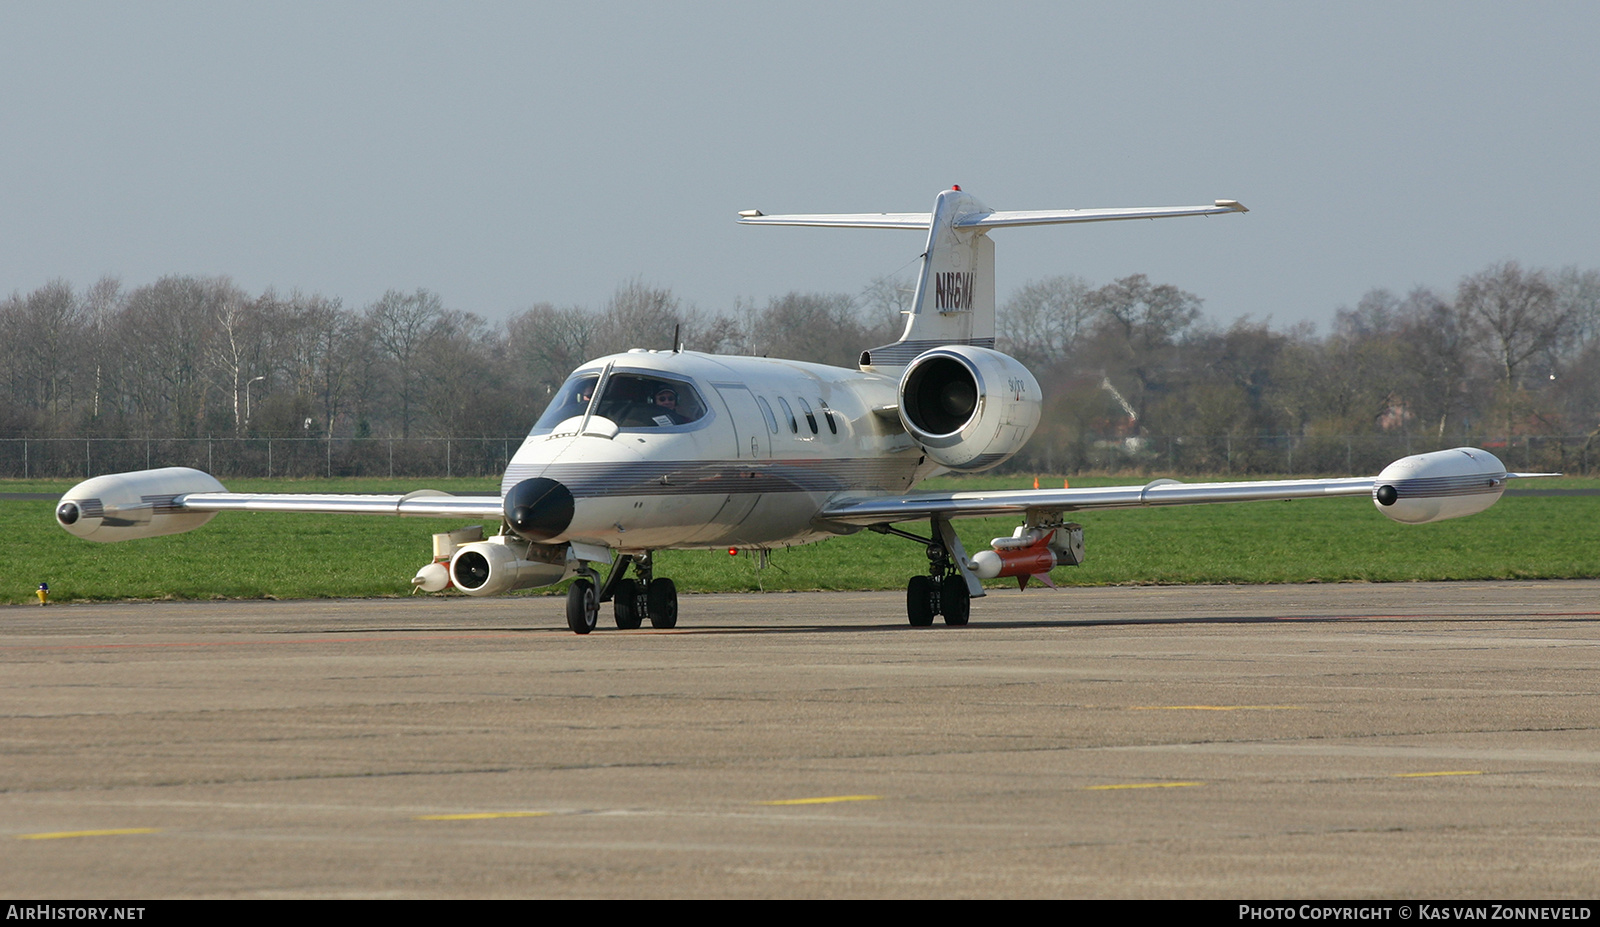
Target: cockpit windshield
635 401
572 399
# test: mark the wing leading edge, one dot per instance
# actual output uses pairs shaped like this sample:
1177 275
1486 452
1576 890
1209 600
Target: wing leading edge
424 504
1414 490
859 510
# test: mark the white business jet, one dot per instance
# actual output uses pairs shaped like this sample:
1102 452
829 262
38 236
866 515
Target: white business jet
656 450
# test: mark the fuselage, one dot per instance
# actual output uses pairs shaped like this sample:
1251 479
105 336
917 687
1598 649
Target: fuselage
751 453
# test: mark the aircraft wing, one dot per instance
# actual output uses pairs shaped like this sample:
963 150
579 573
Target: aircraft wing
171 500
425 503
857 509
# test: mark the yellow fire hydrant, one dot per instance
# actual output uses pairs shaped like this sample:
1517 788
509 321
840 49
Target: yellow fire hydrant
44 593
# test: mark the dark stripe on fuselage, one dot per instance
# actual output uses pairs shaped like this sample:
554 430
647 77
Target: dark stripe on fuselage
678 477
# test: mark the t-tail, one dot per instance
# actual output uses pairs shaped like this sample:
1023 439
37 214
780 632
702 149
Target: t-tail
955 301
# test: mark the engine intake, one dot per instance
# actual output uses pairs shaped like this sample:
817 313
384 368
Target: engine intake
970 408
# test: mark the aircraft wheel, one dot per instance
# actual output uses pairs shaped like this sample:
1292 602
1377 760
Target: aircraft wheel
663 603
625 601
583 606
957 604
919 601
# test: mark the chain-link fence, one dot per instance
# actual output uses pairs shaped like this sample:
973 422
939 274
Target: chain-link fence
1357 455
77 458
1298 455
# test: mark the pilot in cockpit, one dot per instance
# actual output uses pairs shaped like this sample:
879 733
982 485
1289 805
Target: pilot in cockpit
665 405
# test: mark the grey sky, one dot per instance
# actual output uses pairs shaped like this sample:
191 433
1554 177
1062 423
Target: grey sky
506 154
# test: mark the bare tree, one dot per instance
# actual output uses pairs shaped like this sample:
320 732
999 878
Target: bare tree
1514 315
545 344
399 325
164 334
1516 319
1436 349
316 349
1578 298
823 328
234 354
1138 329
885 303
639 315
1046 320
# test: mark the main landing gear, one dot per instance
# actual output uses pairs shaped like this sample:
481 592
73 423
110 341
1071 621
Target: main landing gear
632 600
944 590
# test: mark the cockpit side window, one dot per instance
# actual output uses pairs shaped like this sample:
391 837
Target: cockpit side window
789 414
649 400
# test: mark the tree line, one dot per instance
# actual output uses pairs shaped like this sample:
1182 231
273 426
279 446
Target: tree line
1511 352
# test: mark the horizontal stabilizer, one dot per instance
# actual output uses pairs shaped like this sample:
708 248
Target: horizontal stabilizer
864 220
989 219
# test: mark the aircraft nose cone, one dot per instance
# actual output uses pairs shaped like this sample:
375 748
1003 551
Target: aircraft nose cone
538 508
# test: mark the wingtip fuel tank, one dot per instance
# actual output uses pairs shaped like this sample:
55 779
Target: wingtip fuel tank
130 506
1435 486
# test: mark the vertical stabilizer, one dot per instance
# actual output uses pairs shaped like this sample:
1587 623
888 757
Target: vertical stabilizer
955 294
954 303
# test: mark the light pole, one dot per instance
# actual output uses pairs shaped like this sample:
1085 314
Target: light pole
247 398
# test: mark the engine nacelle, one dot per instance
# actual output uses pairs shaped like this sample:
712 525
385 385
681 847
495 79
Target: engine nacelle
435 576
969 408
497 565
1443 484
130 506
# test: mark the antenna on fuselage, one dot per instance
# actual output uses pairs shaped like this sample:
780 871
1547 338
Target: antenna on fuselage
676 344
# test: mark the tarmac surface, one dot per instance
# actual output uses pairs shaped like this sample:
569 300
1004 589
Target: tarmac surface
1397 741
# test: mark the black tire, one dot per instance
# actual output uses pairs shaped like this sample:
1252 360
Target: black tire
957 605
625 602
663 603
583 606
919 601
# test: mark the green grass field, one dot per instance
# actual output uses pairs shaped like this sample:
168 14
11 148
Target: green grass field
240 555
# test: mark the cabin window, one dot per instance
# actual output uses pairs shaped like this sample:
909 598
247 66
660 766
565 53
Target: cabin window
766 409
789 414
811 418
827 413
